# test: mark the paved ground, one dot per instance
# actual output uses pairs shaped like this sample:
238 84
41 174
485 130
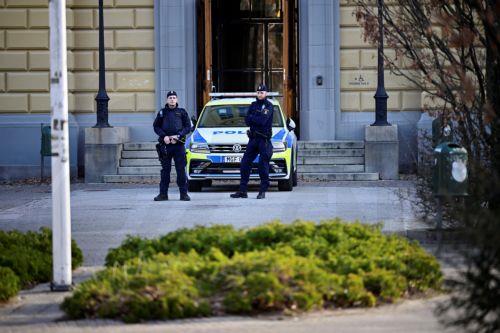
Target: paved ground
102 215
413 316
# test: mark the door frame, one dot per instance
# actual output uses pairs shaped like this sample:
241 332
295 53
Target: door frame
290 55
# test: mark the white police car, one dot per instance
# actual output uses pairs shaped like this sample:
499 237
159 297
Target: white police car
215 148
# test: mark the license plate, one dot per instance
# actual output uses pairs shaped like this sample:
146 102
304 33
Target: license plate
231 171
232 159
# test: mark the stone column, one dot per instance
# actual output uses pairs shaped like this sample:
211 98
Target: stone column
382 151
103 148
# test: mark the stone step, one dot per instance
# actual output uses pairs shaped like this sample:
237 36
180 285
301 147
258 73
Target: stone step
310 176
301 153
128 162
140 146
139 154
322 160
331 168
330 152
301 145
132 178
330 144
330 176
151 170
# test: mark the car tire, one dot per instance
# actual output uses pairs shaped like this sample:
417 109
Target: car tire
286 184
195 185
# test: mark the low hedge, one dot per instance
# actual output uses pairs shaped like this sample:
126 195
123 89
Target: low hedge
9 283
29 256
273 267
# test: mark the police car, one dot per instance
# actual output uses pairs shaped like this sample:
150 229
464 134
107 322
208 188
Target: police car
219 139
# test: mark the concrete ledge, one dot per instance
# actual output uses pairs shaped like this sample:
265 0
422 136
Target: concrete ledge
382 151
381 133
105 136
103 148
19 172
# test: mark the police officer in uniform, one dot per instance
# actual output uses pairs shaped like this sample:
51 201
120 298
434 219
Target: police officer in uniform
172 124
260 120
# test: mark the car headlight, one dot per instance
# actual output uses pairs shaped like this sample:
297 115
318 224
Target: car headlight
279 147
199 148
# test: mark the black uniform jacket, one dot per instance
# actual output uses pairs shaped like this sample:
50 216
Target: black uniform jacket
260 117
172 121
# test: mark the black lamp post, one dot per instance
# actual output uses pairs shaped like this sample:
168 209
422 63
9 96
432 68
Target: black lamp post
102 97
380 95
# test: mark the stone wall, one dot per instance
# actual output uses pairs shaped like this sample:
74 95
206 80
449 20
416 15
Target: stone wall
358 74
24 55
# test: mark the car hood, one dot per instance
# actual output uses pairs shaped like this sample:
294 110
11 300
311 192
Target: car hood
230 135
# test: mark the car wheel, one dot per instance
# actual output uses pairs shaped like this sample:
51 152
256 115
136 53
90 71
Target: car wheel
286 185
195 185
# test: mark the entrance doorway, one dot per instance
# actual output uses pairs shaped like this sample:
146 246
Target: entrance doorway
242 43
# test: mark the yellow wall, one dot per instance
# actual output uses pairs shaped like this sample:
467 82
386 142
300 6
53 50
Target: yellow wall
24 55
358 74
24 59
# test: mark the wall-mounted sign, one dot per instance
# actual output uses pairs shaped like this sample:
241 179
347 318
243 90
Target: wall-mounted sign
359 80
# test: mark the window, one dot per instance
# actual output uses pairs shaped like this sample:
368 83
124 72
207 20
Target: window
232 116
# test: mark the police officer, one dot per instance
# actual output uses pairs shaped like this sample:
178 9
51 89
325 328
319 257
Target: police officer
260 120
172 124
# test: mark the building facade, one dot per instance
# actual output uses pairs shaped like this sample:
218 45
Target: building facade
311 51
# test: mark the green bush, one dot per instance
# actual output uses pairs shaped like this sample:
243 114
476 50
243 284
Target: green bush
29 255
272 267
138 290
9 283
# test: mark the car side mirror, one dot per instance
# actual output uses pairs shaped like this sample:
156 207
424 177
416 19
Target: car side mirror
290 124
194 120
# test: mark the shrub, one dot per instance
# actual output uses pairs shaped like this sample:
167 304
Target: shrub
155 289
272 267
9 283
29 255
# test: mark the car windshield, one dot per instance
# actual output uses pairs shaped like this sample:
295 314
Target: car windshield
232 116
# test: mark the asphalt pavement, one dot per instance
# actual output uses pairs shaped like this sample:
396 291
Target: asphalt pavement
102 215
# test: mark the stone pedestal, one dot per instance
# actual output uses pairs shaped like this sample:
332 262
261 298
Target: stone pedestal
424 139
103 148
382 151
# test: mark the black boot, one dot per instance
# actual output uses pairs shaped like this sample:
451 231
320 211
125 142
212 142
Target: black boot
261 195
161 197
185 197
239 194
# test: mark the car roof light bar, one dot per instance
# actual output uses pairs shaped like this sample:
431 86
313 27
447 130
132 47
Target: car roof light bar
240 94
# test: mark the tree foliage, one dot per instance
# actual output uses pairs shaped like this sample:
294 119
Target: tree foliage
450 49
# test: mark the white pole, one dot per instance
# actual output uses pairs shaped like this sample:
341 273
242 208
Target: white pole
61 218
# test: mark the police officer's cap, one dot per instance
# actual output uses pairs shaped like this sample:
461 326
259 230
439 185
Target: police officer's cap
262 87
171 93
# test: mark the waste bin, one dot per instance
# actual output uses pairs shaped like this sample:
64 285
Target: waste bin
45 146
450 170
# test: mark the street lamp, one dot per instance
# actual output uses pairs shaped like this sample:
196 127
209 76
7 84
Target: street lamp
102 97
380 95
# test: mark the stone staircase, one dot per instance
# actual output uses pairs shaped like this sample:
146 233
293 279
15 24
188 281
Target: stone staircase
138 164
332 160
317 160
